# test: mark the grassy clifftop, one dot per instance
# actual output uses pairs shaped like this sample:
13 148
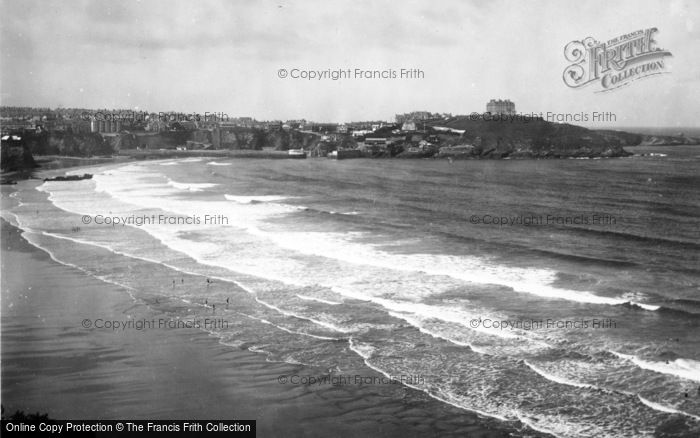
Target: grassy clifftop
534 138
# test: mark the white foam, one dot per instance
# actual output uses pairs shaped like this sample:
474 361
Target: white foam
684 368
250 199
455 316
320 300
365 351
661 408
192 187
422 329
296 315
557 379
467 268
649 307
214 163
339 246
531 423
293 332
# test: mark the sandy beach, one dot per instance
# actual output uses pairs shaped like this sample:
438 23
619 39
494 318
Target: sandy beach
52 364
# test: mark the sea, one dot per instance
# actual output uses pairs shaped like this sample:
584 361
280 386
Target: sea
559 296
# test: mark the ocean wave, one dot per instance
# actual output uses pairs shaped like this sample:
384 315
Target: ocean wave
329 212
318 322
684 368
642 306
340 246
255 199
682 307
549 421
684 312
214 163
366 351
404 310
622 235
192 187
662 408
273 200
293 332
558 379
470 269
320 300
437 335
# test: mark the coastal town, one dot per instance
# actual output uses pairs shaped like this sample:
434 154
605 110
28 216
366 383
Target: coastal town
499 132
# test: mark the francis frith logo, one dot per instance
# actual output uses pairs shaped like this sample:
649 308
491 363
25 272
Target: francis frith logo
616 62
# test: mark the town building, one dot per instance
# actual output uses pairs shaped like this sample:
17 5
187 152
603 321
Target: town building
408 125
105 126
416 115
500 107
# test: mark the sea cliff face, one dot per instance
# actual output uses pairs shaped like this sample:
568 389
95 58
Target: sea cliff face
66 143
15 154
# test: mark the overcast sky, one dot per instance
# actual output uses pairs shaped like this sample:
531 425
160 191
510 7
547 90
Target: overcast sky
224 56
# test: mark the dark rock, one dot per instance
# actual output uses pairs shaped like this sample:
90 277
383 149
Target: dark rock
70 177
15 154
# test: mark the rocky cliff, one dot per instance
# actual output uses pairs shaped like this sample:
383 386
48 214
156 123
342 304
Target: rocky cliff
668 140
530 139
67 143
628 139
15 154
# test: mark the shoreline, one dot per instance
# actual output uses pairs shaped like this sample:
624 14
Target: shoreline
186 373
56 162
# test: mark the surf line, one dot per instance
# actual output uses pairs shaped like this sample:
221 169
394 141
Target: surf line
228 280
366 358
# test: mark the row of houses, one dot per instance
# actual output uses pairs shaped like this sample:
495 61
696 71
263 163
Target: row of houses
37 125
